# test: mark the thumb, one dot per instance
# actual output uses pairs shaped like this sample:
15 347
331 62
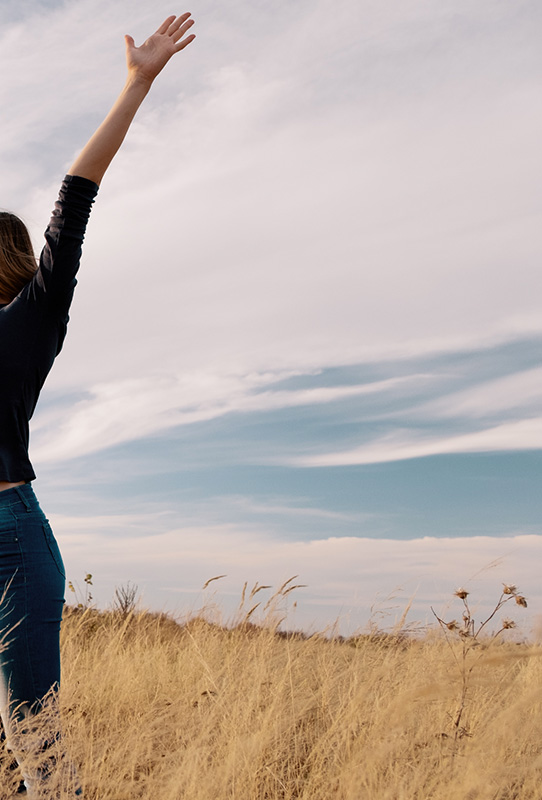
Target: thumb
129 42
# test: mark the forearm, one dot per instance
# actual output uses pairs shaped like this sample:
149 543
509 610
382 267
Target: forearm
101 148
144 64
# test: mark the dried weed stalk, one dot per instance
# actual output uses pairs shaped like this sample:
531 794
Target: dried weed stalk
472 644
84 598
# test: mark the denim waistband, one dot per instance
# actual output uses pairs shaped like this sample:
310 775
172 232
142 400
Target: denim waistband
22 496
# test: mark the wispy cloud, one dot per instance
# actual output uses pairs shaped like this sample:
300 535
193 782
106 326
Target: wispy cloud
519 392
495 414
401 445
390 418
123 411
288 509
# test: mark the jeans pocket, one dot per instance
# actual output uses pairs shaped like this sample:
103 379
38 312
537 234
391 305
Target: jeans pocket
53 548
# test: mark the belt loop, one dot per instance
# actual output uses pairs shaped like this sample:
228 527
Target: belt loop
22 498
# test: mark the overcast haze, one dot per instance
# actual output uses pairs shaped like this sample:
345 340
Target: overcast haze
306 335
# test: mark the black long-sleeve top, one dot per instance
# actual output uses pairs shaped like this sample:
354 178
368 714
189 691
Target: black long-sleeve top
33 325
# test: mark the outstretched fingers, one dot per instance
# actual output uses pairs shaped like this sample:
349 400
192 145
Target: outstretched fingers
166 24
177 23
175 28
180 32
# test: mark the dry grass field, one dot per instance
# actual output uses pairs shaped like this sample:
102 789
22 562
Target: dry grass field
200 711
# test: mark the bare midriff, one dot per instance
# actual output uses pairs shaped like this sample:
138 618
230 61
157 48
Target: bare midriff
7 485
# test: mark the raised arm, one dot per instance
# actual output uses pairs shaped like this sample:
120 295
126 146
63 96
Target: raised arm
144 64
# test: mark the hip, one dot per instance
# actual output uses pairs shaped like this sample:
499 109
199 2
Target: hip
26 540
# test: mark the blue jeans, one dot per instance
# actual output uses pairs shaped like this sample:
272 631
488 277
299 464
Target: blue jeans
32 583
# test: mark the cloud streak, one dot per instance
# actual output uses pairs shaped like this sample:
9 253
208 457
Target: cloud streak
492 415
522 435
518 392
119 412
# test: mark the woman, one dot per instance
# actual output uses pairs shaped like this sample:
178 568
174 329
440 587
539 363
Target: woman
33 318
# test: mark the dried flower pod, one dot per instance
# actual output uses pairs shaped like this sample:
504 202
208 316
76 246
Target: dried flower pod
452 626
461 593
509 589
521 601
508 623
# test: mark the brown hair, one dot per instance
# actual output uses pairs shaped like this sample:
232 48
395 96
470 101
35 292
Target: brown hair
17 260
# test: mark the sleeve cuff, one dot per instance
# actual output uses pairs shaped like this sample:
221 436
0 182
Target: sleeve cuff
77 180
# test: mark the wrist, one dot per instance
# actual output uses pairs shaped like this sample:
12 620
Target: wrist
137 81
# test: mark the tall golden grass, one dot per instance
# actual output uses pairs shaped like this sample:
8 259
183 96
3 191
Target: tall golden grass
202 711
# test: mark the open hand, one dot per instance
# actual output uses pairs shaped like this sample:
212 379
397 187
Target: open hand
145 62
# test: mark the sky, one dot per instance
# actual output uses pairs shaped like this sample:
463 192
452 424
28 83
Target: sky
306 335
